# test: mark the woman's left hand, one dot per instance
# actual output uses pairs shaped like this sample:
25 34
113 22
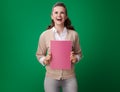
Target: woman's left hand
73 58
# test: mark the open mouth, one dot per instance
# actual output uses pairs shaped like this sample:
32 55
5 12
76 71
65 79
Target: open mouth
59 19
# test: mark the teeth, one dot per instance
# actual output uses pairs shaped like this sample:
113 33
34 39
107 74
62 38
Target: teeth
58 18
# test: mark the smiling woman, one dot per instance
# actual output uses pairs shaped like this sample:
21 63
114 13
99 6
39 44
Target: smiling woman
98 25
60 29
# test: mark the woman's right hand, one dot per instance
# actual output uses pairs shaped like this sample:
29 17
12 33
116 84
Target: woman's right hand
47 59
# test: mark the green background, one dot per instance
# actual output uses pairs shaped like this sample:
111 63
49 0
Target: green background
97 23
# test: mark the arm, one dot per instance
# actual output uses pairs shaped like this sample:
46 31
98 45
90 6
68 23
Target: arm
76 54
42 49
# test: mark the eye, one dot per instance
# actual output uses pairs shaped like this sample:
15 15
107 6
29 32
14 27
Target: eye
62 12
56 12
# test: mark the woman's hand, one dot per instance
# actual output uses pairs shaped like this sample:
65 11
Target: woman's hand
47 59
73 58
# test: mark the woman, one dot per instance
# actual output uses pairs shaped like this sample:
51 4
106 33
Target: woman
60 29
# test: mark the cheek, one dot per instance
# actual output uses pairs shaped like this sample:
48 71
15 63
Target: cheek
64 16
52 17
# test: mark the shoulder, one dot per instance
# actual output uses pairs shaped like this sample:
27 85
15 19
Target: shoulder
46 33
73 32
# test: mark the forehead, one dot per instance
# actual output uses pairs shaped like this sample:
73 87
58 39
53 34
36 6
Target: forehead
58 8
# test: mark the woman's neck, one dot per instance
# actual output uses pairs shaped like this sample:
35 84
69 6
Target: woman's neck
59 28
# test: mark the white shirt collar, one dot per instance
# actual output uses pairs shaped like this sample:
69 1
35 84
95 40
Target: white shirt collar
55 30
61 36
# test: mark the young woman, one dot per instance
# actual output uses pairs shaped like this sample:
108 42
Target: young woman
60 29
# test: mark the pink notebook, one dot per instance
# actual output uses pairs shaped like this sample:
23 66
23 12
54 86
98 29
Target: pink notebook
60 54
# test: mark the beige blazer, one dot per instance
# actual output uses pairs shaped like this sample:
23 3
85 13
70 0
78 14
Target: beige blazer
44 47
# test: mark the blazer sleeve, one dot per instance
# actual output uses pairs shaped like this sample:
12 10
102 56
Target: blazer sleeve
77 48
42 48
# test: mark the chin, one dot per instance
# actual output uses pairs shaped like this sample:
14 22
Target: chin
59 23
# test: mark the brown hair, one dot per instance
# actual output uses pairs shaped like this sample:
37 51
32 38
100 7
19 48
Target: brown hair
67 23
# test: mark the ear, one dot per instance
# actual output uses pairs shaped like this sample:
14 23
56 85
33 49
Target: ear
51 16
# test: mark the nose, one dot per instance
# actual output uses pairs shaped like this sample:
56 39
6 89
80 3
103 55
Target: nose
59 14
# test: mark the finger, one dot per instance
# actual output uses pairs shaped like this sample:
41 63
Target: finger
71 58
73 61
45 62
49 53
71 55
72 52
47 58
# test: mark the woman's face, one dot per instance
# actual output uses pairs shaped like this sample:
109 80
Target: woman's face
59 15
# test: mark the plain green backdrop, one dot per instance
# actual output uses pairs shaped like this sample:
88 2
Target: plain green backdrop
97 23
